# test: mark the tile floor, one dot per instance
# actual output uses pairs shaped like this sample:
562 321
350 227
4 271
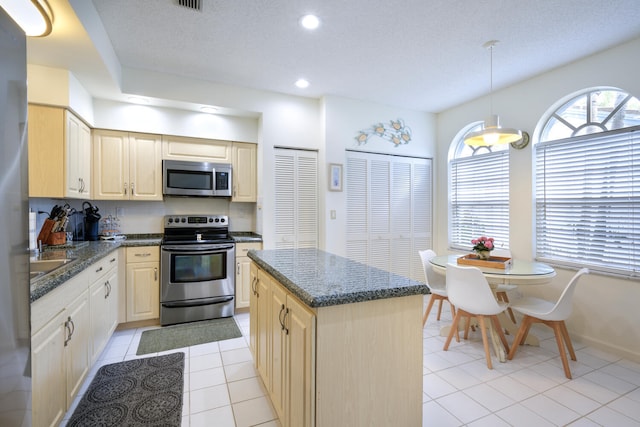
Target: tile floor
222 388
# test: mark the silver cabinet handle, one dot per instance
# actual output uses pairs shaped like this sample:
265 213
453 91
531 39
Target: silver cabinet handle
112 260
70 327
132 192
125 188
238 268
107 288
99 270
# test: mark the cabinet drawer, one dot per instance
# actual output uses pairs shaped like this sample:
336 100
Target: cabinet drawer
100 268
243 248
143 254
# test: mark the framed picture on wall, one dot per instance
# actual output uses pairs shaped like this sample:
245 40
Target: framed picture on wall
335 177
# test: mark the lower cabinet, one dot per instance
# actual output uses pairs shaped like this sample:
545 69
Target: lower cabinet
70 326
285 344
243 276
143 283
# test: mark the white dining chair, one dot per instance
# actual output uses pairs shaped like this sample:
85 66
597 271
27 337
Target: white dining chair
502 288
471 294
552 314
437 286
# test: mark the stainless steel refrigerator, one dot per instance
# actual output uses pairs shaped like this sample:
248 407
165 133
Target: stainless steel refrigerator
15 331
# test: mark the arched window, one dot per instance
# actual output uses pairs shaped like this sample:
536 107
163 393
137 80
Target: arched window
587 183
478 192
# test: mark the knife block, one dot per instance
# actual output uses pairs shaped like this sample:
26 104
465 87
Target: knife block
46 236
59 238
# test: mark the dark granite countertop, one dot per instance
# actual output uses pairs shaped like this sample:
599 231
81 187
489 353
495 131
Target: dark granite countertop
245 236
84 254
321 279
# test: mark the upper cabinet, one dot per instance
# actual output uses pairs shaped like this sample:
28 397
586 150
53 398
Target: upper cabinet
196 149
59 154
127 165
245 169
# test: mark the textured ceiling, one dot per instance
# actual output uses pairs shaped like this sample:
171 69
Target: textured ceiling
417 54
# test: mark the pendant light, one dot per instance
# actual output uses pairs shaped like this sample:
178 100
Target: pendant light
492 133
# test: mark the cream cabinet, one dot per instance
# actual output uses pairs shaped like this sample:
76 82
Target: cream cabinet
60 349
285 351
59 153
103 291
127 166
143 283
196 149
245 170
77 157
243 274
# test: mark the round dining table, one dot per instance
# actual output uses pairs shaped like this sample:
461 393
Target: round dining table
515 272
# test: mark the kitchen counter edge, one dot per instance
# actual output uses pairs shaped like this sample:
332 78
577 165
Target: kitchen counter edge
85 254
334 280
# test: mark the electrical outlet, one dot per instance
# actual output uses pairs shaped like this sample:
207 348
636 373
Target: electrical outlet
119 212
333 214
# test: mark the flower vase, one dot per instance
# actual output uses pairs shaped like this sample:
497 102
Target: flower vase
484 254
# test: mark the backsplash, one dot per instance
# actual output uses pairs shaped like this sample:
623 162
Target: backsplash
146 217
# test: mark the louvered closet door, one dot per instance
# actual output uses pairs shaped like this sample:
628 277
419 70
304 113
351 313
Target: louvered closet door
296 201
388 211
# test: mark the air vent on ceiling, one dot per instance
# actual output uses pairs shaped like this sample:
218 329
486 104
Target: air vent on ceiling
191 4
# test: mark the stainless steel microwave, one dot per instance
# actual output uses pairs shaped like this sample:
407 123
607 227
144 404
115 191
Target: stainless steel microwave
200 179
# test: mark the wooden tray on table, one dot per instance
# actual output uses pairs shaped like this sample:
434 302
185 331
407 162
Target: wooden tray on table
492 262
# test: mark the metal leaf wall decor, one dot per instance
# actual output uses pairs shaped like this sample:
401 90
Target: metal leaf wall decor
395 132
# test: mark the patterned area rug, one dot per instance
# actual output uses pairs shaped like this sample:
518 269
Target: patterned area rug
139 392
187 334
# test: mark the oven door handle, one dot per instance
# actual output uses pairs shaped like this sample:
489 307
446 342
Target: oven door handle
198 302
196 248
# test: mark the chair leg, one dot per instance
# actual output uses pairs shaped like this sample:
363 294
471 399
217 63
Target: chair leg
520 336
500 330
485 341
439 308
502 296
567 340
454 328
428 310
557 329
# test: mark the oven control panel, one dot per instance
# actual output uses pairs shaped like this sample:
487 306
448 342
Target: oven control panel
195 221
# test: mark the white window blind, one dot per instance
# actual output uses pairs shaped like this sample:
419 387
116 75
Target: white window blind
479 199
588 201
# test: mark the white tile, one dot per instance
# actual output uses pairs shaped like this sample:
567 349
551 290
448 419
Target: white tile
623 372
232 344
490 420
253 412
611 382
436 387
206 348
204 362
236 356
208 398
463 407
186 421
240 371
512 388
206 378
435 415
489 397
635 395
223 417
518 415
572 399
627 407
534 380
591 390
550 410
458 378
608 417
185 405
249 388
584 422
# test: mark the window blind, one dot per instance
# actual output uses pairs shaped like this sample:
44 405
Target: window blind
479 199
588 201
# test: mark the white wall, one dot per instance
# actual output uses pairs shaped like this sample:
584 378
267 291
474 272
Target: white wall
343 120
605 307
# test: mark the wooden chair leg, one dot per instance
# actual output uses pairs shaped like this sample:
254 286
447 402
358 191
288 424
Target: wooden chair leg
454 328
485 341
567 340
502 296
439 308
557 329
428 310
520 336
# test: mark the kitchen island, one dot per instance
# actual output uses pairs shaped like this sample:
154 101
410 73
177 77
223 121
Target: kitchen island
336 342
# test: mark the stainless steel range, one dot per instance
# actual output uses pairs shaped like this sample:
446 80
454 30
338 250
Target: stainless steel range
197 269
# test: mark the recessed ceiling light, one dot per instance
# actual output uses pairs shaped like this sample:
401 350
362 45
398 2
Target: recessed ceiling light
209 110
310 22
138 100
302 83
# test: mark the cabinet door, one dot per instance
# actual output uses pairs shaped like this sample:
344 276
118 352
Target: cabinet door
145 167
243 284
78 345
253 311
264 325
300 363
46 151
245 169
143 291
278 335
98 294
111 317
196 149
77 157
110 165
48 379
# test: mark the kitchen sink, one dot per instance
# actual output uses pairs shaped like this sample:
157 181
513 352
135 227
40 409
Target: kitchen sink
44 266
